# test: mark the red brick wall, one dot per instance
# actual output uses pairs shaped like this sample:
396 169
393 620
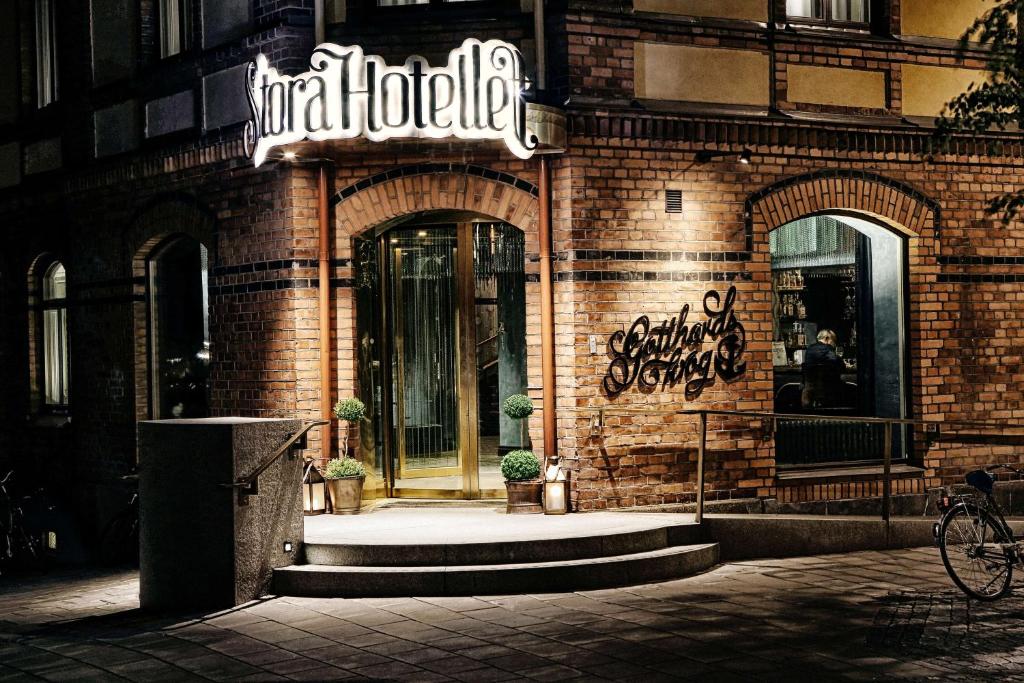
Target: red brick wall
965 338
619 254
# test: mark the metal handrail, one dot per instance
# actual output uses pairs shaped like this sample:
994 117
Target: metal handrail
640 410
249 485
598 414
849 418
887 423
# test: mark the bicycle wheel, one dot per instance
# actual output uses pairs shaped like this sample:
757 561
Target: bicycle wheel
970 542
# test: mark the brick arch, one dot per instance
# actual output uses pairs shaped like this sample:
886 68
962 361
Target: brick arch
505 198
435 168
164 216
497 195
892 202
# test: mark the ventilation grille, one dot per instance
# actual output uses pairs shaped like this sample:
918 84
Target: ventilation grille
673 201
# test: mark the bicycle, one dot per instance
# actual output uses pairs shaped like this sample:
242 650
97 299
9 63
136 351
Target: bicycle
978 547
18 547
119 540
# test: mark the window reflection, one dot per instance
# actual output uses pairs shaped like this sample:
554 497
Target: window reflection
179 330
830 11
55 336
838 337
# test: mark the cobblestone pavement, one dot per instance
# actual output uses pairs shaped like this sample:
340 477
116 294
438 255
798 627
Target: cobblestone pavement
859 616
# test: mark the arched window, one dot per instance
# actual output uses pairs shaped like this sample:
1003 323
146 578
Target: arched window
179 329
839 337
55 337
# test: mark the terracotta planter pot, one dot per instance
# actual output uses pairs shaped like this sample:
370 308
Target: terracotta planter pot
346 494
525 497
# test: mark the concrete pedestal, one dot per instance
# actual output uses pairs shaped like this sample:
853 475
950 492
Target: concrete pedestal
201 544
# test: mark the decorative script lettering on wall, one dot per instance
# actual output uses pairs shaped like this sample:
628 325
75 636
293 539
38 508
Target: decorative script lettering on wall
345 94
673 351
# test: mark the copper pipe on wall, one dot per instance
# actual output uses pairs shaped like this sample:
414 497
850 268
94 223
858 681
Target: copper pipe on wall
547 310
324 292
540 40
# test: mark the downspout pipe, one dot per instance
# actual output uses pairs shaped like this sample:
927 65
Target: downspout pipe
540 40
319 21
324 293
547 310
547 294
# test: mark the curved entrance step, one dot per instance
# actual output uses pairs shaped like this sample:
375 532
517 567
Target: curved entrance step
318 580
502 552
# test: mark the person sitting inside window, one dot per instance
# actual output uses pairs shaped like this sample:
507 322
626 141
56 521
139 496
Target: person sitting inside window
823 373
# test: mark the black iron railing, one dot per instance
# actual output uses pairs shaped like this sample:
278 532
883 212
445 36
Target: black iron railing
874 432
955 431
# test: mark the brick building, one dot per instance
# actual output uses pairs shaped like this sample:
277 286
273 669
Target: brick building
149 269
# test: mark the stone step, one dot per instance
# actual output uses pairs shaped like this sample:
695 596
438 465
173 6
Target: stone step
430 503
315 580
504 552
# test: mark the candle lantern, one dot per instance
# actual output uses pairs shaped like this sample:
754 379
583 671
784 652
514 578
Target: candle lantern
314 490
556 491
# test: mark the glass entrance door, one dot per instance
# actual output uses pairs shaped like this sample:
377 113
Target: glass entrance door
427 448
453 324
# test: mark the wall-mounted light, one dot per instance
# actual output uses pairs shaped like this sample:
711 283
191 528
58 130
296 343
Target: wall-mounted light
289 155
288 546
705 155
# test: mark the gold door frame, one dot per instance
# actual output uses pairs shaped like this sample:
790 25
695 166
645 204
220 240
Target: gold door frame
466 387
405 472
465 344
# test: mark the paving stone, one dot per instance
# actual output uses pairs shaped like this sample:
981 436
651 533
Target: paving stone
484 675
449 665
422 655
386 670
323 673
863 616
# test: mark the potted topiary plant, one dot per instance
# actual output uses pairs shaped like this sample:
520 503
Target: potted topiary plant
522 483
348 410
519 407
345 478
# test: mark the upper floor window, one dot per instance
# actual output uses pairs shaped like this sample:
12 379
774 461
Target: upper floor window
831 12
46 52
403 3
55 336
175 23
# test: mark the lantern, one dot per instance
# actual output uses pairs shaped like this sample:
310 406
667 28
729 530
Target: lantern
314 490
556 491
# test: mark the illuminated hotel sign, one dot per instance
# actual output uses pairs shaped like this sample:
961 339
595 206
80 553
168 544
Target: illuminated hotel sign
346 94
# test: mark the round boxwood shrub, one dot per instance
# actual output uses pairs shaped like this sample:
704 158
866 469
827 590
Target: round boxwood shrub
518 406
349 409
340 468
520 465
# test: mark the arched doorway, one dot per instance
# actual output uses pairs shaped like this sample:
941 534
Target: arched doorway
839 328
441 342
178 325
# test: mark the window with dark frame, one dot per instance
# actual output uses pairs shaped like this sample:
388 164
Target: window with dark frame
55 359
853 13
175 27
412 3
46 53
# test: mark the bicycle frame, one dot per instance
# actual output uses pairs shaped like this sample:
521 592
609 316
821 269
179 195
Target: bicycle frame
990 508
